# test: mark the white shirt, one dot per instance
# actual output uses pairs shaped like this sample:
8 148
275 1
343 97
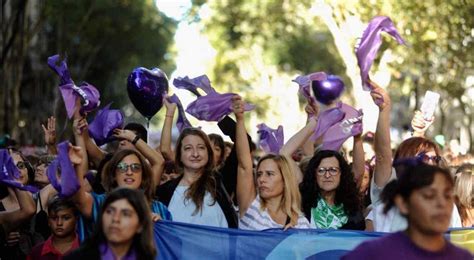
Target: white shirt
393 221
183 210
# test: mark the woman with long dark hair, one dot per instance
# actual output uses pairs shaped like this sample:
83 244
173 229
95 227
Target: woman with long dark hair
329 193
424 195
124 229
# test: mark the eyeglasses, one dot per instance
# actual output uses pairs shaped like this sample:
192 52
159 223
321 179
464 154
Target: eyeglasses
21 165
332 171
426 158
123 167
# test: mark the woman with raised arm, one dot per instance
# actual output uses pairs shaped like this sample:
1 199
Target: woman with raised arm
127 169
276 204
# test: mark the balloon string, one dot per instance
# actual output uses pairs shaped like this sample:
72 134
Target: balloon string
148 130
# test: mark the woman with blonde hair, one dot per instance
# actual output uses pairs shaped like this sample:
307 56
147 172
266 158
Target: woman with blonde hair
275 202
463 189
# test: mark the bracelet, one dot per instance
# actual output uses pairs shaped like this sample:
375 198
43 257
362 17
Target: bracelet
169 116
135 140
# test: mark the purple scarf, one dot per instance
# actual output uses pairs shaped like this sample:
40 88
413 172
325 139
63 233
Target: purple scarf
106 253
213 106
304 84
182 122
349 126
193 84
70 92
327 119
370 44
106 120
9 173
271 140
68 184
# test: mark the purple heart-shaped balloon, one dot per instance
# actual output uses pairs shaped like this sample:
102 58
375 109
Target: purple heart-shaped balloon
146 89
328 90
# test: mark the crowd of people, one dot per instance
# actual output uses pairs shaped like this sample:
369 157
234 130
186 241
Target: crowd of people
411 192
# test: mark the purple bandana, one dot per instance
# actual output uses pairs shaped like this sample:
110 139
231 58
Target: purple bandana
106 120
9 173
304 84
370 44
193 84
70 92
271 140
182 122
349 126
327 119
213 106
69 184
107 254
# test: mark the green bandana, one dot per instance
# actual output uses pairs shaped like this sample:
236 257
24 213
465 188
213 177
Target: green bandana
326 216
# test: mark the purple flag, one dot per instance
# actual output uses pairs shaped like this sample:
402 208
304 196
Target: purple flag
182 122
213 106
327 119
349 126
9 173
68 185
271 140
304 84
70 92
106 120
193 84
370 44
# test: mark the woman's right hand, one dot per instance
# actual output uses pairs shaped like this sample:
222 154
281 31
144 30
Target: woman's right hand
50 131
238 106
170 107
79 125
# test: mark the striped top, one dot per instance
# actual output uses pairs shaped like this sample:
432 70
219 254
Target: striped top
257 219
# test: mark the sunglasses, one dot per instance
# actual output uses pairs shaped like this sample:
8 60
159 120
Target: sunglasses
426 158
332 171
134 167
21 165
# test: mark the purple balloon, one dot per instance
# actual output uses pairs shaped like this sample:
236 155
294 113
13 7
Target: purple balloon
146 89
328 90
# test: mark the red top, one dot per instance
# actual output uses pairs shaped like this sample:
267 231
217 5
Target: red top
47 251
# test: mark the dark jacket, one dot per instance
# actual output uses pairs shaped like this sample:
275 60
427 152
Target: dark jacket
165 192
84 253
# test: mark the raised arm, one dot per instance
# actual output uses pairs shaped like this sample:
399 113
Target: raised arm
312 110
10 220
358 159
50 135
246 192
82 198
383 151
165 142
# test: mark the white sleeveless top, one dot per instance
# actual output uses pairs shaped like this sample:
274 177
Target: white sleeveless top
182 210
257 219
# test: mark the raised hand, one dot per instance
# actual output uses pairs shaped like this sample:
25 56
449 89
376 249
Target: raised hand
75 154
124 134
50 131
380 96
79 125
420 124
238 106
311 109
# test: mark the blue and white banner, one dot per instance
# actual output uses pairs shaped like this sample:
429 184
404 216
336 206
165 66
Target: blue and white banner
185 241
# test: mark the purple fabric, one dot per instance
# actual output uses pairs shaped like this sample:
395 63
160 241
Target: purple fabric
70 92
399 246
327 119
107 254
271 140
213 106
304 84
370 44
182 122
193 84
9 173
68 185
349 126
106 120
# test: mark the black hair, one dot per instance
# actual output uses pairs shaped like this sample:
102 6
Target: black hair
139 130
56 204
217 139
347 193
412 177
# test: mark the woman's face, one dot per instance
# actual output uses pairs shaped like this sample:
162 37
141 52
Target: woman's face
120 222
21 165
364 184
217 152
194 154
269 179
328 174
40 174
129 172
429 209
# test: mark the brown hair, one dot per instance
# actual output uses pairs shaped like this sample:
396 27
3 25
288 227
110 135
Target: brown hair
207 180
109 173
